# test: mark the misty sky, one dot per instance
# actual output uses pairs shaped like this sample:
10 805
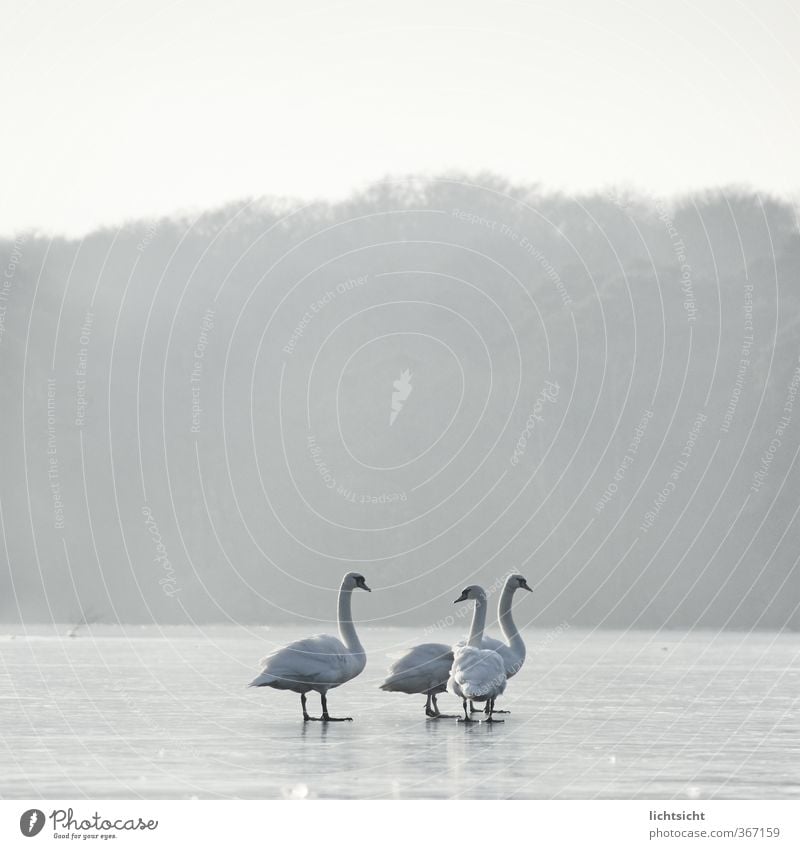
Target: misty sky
119 110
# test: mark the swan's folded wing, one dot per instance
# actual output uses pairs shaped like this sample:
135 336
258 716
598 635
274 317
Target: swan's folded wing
318 644
459 669
321 659
418 656
420 668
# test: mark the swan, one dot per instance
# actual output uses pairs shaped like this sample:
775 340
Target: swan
321 662
422 669
513 650
477 674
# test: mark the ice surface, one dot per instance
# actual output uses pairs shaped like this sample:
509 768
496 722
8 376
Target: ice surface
164 712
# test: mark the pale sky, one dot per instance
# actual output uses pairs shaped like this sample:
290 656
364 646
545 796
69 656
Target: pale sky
112 110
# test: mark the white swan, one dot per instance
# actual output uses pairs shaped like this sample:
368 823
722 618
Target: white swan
321 662
513 650
422 669
477 674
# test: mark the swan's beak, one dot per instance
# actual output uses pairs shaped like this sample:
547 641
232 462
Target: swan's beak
462 597
363 586
525 586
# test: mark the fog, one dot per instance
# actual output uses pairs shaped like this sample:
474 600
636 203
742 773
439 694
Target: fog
435 382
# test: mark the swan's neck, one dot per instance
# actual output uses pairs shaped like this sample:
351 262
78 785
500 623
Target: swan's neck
347 630
478 622
507 624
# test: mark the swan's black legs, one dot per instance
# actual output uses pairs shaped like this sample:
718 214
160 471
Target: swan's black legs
326 717
430 709
472 708
436 712
490 711
467 717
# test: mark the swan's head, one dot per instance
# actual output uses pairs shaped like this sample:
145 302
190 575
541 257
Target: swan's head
473 591
352 581
519 583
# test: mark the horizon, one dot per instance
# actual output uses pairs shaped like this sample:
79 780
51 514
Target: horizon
288 206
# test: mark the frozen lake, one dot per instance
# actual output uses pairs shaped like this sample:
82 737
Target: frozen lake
151 712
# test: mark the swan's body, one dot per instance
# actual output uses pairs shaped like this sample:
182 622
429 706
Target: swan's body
321 662
477 674
316 663
423 669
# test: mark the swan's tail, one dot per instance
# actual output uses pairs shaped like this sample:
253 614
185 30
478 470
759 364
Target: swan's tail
399 682
263 680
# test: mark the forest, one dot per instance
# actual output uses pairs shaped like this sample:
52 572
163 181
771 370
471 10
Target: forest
437 381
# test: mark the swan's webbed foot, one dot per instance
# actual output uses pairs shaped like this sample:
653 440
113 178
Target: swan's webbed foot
326 717
492 719
501 711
